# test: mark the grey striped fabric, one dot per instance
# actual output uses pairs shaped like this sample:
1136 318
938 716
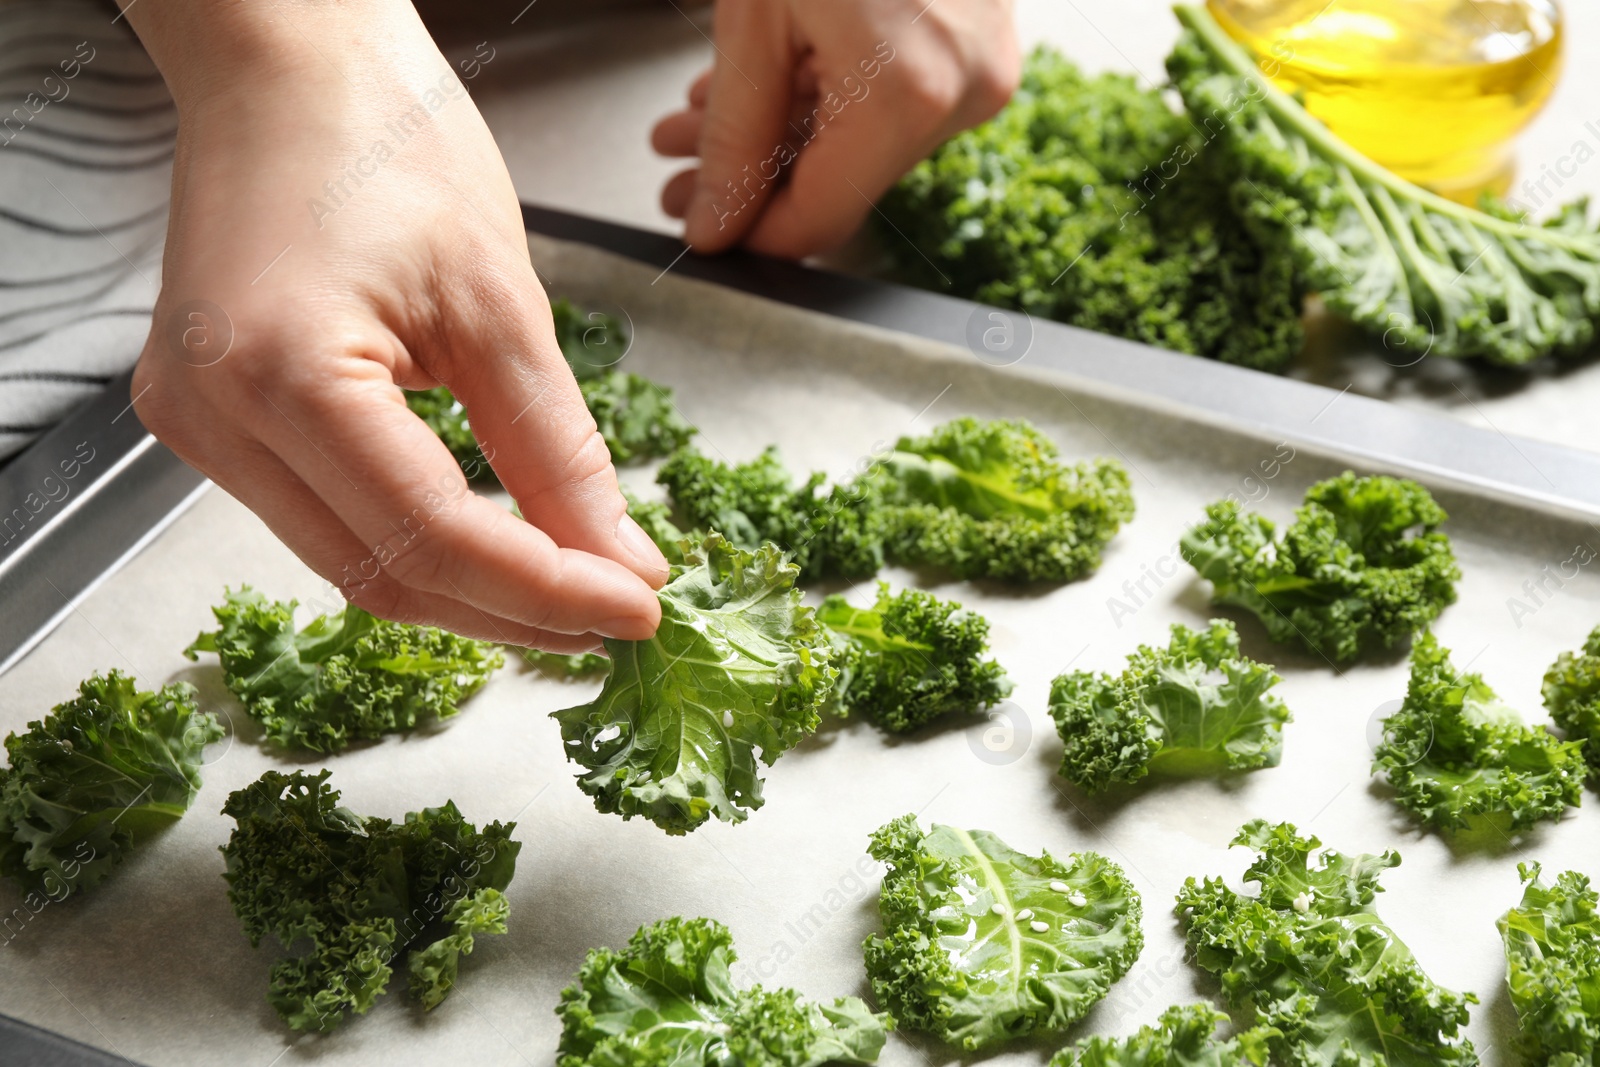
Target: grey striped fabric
86 140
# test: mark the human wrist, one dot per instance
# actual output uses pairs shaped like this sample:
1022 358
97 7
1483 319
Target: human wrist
204 48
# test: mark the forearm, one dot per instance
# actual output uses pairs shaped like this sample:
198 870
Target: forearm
203 47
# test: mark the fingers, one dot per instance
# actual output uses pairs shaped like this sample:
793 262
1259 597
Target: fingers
540 438
676 193
381 471
865 136
746 109
261 482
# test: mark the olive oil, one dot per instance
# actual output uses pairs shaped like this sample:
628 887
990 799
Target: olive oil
1432 89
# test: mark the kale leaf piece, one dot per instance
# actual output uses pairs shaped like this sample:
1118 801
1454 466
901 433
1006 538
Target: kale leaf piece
993 500
361 891
1196 707
977 499
576 665
738 671
1427 275
637 417
1309 959
984 944
96 775
1572 696
1552 942
1185 1037
342 678
1088 200
1460 758
911 658
668 999
1362 565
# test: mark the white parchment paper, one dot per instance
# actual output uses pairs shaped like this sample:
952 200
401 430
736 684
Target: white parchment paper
153 965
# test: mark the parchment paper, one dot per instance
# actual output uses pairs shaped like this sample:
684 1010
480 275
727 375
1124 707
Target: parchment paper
153 965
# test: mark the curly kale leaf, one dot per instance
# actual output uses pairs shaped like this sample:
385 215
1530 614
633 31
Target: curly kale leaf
977 499
1196 707
1552 942
1362 565
1185 1037
1572 696
668 999
576 665
1459 758
993 500
1309 959
95 776
1088 200
1404 264
637 417
827 533
738 671
341 678
359 891
984 944
911 658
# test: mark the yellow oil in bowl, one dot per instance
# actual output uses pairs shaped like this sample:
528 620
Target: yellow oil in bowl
1432 89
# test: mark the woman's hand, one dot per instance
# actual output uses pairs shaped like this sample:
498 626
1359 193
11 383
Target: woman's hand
813 108
342 227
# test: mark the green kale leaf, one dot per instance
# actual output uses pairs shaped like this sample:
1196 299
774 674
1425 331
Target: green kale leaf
576 665
668 999
637 417
1572 696
911 658
341 678
977 499
1309 959
359 891
984 944
1196 707
1552 941
737 672
1362 565
95 776
1427 275
1185 1037
1089 201
1460 758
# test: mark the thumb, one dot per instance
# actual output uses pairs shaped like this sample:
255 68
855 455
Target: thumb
747 105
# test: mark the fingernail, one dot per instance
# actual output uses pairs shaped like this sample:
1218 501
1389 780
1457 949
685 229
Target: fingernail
631 536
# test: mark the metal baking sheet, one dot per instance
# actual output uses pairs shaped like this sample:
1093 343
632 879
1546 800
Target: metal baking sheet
152 966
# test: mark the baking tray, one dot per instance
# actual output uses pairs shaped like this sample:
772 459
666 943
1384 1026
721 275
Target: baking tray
152 966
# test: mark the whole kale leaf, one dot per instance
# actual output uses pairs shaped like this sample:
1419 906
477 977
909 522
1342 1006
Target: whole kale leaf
668 999
1309 959
984 944
978 499
1552 946
1196 707
96 775
1185 1036
1424 274
1363 564
1461 759
1090 201
341 678
360 892
911 658
737 672
1572 696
